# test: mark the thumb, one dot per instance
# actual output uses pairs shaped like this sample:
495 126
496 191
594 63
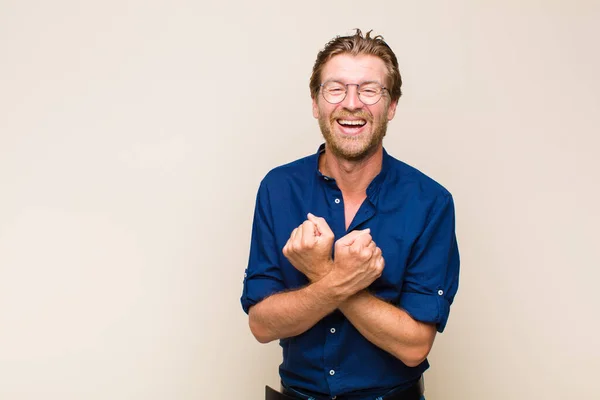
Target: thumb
321 224
352 236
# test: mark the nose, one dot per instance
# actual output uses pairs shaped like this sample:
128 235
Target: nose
352 101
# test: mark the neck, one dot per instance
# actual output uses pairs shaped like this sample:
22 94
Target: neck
352 177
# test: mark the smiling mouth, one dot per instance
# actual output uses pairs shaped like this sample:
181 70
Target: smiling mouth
351 123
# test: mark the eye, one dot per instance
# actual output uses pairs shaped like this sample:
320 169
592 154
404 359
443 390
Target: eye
336 90
369 90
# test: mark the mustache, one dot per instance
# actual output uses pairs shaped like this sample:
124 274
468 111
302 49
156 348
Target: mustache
349 114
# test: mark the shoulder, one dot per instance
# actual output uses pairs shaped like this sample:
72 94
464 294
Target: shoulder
411 181
297 172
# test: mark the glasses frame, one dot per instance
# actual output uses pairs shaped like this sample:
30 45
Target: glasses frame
358 85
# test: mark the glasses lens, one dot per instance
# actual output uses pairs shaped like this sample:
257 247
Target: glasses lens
370 93
334 92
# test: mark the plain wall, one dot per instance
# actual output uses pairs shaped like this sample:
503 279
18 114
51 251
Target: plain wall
133 137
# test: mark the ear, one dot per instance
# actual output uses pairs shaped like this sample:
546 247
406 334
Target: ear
315 108
392 110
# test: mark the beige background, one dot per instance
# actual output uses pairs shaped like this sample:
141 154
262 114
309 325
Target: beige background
133 136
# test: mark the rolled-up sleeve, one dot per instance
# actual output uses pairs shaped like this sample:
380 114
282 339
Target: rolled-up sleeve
262 277
431 279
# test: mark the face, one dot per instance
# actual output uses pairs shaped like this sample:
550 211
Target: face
353 130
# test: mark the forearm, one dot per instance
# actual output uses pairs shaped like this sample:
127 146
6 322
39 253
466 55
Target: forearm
389 328
288 314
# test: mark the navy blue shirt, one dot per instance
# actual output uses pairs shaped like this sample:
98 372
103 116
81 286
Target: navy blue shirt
411 218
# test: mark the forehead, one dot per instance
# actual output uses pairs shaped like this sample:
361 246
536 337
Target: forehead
347 68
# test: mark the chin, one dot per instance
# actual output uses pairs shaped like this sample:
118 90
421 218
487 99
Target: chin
352 148
353 153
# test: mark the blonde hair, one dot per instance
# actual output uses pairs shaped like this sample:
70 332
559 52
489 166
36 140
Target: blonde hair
355 45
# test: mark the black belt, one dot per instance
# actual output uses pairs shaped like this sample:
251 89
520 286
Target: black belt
412 393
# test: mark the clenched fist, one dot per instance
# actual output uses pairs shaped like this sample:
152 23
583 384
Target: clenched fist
309 248
358 262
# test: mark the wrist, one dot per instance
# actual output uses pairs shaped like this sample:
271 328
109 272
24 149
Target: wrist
329 290
334 287
323 269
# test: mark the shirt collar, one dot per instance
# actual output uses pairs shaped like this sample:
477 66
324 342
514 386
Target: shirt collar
373 188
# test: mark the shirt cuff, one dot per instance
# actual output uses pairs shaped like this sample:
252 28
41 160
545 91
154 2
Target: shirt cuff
257 289
429 308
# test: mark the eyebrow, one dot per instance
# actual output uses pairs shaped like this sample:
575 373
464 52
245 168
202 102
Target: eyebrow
361 83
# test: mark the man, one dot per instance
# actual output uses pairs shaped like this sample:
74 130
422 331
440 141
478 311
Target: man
353 261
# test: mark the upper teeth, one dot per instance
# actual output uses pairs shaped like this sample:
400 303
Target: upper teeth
354 122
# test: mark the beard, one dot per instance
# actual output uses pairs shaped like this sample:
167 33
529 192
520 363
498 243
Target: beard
352 148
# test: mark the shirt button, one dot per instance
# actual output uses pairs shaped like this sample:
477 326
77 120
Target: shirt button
332 330
337 201
440 292
331 372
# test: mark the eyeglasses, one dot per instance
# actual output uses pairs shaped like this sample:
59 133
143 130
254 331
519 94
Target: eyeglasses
335 92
